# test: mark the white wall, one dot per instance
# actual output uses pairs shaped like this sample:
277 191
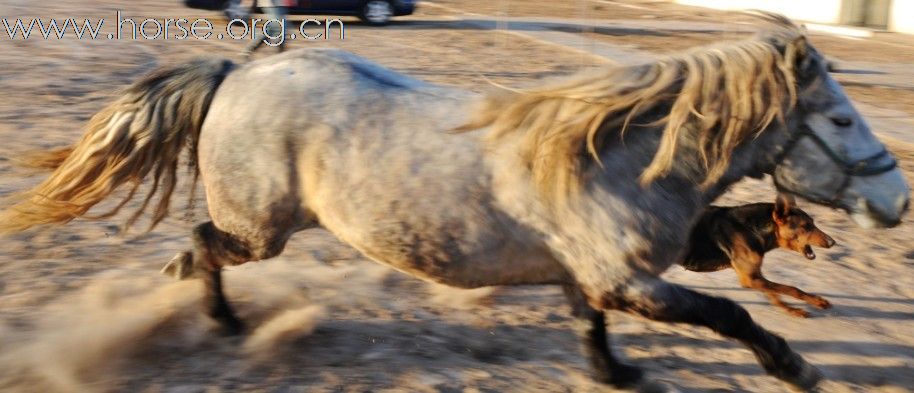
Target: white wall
901 18
817 11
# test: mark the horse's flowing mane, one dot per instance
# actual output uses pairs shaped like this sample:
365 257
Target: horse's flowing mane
723 94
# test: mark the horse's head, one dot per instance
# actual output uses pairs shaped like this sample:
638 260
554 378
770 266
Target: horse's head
762 105
829 155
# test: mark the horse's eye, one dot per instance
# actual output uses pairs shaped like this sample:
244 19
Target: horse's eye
842 121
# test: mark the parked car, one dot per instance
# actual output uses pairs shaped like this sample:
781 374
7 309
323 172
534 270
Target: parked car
376 12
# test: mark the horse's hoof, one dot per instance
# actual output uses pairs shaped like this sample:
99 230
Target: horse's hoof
622 376
805 378
657 387
181 267
798 312
230 327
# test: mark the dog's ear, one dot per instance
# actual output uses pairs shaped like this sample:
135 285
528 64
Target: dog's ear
782 205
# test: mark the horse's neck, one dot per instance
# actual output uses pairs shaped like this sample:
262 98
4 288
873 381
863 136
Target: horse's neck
679 199
743 164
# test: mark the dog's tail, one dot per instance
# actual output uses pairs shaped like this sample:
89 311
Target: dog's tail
141 133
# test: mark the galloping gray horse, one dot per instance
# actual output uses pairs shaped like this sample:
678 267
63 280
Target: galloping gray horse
591 182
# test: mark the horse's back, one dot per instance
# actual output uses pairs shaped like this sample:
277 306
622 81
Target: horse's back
325 136
268 115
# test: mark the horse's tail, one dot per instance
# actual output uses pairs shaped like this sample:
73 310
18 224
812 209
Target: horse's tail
45 159
141 133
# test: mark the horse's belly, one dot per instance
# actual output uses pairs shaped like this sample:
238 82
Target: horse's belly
463 253
504 266
419 199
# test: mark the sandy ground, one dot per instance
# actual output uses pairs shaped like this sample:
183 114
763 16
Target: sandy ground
82 307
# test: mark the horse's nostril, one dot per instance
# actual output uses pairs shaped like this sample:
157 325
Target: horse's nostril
907 204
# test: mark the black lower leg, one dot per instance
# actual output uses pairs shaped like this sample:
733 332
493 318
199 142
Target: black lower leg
217 307
607 368
212 250
591 327
672 303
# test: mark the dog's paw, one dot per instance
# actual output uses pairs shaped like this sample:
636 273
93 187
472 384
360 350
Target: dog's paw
798 312
820 302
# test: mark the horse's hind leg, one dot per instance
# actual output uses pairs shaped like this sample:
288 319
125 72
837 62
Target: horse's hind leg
661 301
590 325
213 249
217 307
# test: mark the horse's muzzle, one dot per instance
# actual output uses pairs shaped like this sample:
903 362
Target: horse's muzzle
879 201
887 219
880 216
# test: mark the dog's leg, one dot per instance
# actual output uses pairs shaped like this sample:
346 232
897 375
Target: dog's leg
755 280
776 300
772 289
748 266
814 300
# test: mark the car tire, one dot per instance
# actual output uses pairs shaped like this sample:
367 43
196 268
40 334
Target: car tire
236 11
377 12
232 14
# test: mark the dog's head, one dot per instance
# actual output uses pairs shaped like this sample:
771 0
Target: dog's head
795 230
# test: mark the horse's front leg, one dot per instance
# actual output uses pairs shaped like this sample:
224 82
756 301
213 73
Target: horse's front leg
590 325
662 301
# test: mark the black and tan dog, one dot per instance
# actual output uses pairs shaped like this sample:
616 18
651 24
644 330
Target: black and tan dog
739 237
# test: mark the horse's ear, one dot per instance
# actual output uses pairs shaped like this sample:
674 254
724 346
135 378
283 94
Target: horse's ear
802 48
782 205
805 59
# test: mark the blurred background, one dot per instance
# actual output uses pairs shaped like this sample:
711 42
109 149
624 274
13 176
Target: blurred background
83 307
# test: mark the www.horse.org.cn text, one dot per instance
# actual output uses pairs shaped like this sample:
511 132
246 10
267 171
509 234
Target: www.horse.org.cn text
169 29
